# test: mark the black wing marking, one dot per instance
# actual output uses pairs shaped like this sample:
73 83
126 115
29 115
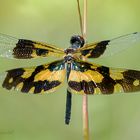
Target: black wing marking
110 47
87 78
11 47
40 79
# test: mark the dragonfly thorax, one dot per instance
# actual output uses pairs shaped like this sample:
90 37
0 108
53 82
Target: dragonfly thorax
68 59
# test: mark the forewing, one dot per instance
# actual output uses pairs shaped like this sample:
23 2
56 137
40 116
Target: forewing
87 78
11 47
110 47
41 79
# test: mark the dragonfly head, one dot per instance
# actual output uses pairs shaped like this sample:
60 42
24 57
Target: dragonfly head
77 41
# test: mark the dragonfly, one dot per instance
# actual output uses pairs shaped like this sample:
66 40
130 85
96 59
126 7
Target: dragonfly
82 76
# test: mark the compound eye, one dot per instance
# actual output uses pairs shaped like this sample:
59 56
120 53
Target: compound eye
77 41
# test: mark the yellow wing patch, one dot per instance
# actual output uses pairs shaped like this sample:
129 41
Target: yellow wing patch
31 49
40 79
109 47
12 47
87 78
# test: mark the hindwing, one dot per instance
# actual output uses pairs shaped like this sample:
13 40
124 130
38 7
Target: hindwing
40 79
87 78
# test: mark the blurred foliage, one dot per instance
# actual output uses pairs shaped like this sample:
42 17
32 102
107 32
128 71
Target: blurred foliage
34 117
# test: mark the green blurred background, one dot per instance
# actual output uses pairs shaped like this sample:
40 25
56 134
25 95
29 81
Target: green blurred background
41 117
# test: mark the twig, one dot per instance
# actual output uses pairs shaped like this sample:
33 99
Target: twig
83 26
85 97
80 17
85 118
85 20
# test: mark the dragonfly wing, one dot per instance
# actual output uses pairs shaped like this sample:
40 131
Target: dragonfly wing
87 78
110 47
44 78
11 47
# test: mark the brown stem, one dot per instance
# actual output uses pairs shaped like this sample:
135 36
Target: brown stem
85 118
80 17
85 97
83 26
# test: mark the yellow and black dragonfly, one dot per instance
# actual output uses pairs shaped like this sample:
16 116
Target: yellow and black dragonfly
82 77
